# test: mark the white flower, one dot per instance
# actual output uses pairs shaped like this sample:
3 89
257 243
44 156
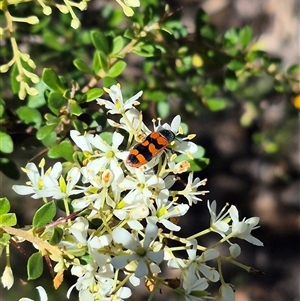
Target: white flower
96 243
109 154
86 278
64 189
99 194
7 278
41 183
82 141
191 192
77 235
118 106
195 263
42 293
79 230
217 223
131 122
235 250
163 210
227 292
106 155
132 213
141 253
194 286
140 186
242 229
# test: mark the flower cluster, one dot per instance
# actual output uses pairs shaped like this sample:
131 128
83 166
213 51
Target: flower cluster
125 216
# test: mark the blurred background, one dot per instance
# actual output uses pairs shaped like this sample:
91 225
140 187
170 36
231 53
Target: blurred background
244 169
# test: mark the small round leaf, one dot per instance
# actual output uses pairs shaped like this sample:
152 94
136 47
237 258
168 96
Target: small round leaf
44 215
6 143
35 266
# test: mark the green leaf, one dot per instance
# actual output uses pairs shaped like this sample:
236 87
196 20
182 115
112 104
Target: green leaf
235 65
9 168
231 81
4 205
92 94
155 95
6 143
56 102
231 35
45 131
107 137
293 69
75 108
201 18
255 54
35 266
63 150
51 40
116 69
56 236
209 32
2 108
30 116
216 104
118 44
4 239
99 61
163 109
13 78
51 119
37 101
144 50
50 139
82 66
245 36
100 41
129 34
44 215
199 164
8 219
52 80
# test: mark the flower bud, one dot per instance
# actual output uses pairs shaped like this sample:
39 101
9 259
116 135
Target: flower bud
7 278
4 68
47 10
75 23
31 64
25 57
32 91
133 3
227 292
62 8
32 20
22 92
34 78
235 250
82 5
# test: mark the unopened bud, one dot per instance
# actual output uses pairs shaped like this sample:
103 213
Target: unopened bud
47 10
7 278
82 5
62 8
32 20
32 91
4 68
75 23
